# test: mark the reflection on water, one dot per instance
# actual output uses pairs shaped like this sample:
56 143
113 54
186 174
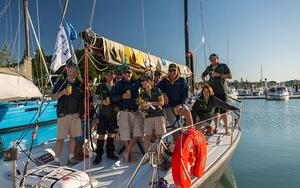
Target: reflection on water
227 179
268 153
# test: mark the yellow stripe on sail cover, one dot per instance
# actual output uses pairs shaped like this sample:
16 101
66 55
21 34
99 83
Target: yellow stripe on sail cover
139 58
127 54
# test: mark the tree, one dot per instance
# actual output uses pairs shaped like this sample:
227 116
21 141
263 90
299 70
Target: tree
6 59
39 73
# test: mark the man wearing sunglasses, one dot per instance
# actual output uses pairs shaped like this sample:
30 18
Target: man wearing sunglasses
157 77
218 74
130 121
175 91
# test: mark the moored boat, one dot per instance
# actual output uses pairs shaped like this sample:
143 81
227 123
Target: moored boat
278 93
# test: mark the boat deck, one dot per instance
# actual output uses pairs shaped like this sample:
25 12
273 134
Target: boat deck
118 173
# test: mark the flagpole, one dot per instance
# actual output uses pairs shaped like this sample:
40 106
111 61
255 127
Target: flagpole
64 12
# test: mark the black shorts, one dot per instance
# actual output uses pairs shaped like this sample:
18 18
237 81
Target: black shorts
107 125
222 98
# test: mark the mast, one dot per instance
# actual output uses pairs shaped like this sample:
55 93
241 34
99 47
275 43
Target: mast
27 47
26 67
188 54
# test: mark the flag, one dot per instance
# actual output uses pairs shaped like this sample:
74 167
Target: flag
72 36
72 32
74 58
61 51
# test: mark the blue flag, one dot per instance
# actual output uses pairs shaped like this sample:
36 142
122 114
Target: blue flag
72 32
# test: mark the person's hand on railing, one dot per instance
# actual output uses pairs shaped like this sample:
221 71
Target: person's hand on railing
238 110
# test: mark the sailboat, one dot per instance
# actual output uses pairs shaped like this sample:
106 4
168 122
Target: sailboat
149 169
20 99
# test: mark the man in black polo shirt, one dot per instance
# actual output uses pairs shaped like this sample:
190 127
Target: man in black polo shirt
218 73
69 110
107 119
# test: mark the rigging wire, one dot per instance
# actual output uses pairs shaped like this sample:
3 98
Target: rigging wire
6 26
92 15
17 35
203 32
143 25
60 5
227 36
39 47
7 3
38 20
39 36
36 64
89 56
10 21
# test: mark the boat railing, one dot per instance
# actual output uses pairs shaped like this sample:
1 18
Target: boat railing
154 156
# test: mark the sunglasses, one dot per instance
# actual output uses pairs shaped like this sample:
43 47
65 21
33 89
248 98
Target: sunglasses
127 72
172 70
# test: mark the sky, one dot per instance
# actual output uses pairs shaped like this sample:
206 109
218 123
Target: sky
246 34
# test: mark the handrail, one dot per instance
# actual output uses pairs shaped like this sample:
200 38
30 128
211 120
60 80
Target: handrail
159 143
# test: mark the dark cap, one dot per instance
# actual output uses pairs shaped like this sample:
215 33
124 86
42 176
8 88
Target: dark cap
157 73
213 55
119 71
126 68
146 76
111 70
172 66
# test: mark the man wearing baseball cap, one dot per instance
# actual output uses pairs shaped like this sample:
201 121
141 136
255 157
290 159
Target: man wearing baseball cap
130 120
175 91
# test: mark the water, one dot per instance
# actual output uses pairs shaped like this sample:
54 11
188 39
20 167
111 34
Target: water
44 133
268 153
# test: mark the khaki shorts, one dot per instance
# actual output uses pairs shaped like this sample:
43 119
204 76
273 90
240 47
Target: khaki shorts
158 124
170 115
130 123
69 124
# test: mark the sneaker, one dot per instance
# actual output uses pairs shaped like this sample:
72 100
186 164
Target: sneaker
72 162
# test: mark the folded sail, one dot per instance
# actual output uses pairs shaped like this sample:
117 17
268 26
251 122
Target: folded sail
116 53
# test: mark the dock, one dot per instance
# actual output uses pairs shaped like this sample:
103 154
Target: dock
264 97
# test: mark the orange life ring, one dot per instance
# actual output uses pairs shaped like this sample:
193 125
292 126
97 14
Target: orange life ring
189 157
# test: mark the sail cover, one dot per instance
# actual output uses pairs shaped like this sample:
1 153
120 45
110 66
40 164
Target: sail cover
116 53
14 86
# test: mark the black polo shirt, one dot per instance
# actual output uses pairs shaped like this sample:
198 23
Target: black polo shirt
69 104
153 96
217 83
104 91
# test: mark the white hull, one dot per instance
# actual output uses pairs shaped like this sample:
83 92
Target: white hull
280 93
278 97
